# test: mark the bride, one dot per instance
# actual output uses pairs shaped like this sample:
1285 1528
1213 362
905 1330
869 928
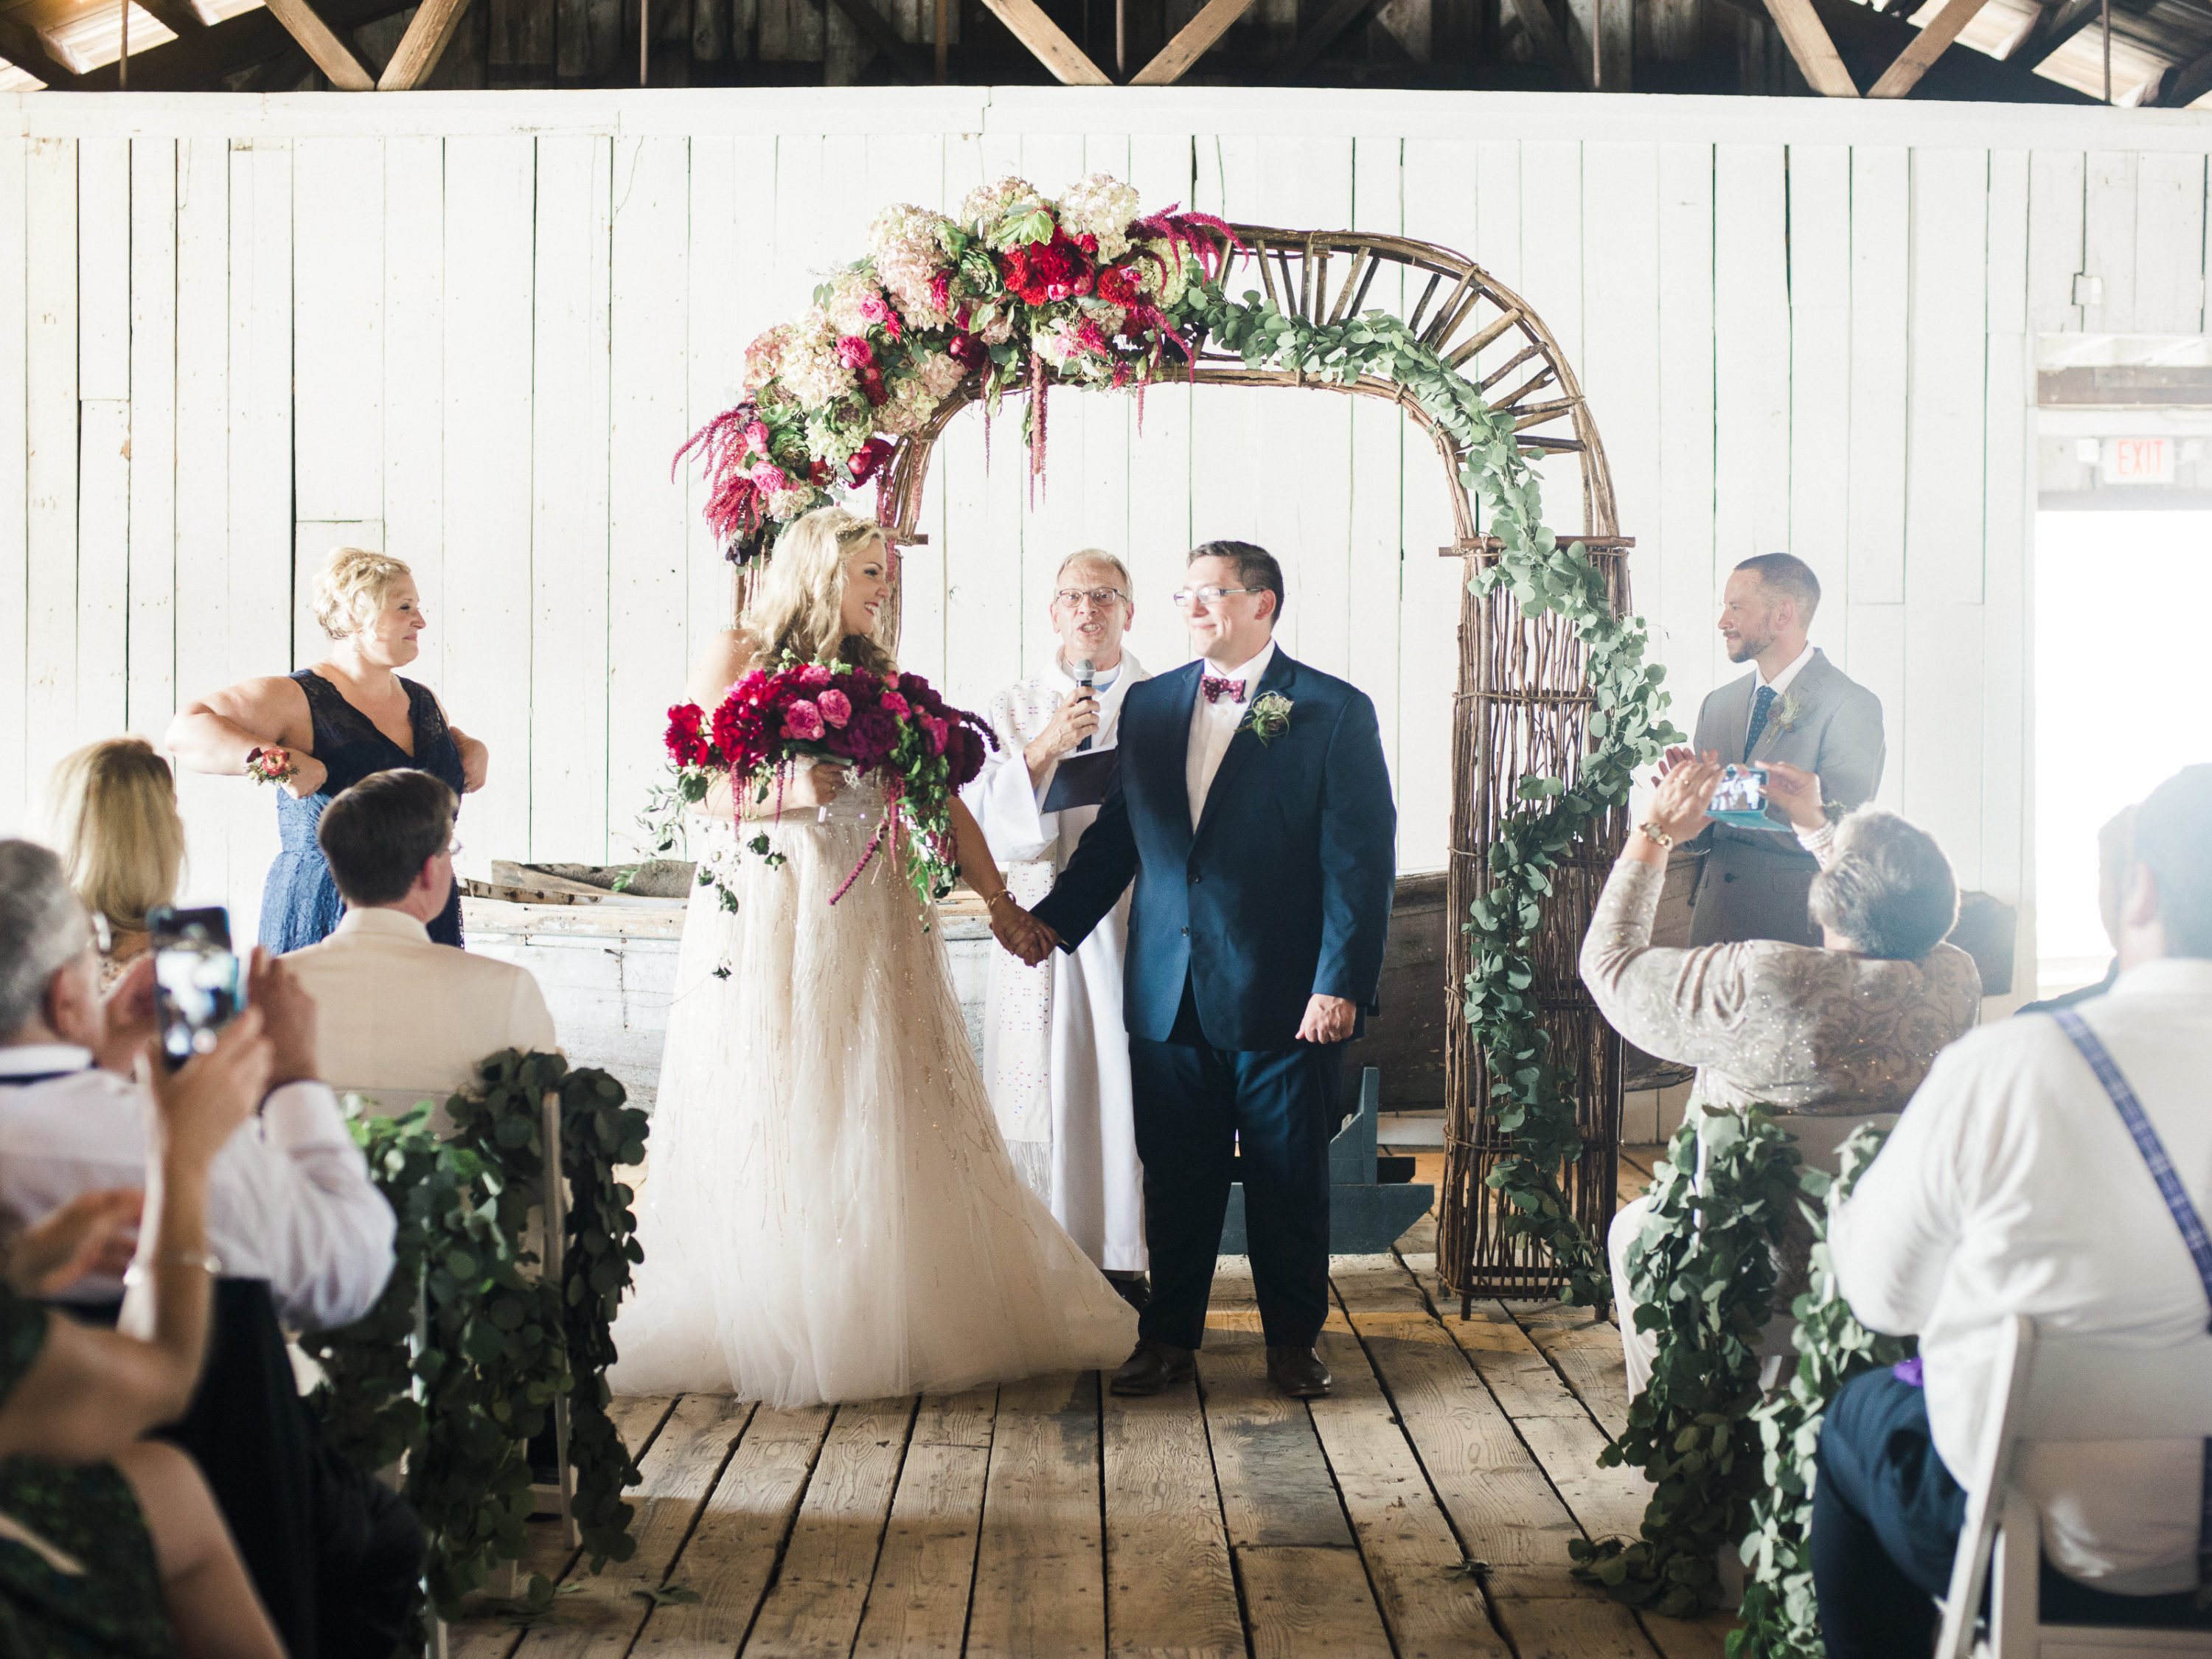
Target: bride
830 1214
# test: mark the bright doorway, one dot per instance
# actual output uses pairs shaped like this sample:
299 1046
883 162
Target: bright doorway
2120 704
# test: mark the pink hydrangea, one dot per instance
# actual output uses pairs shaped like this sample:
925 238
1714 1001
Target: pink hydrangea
802 719
836 708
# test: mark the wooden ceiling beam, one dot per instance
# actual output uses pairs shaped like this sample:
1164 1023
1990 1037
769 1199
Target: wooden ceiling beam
1551 46
1319 39
2053 25
178 16
1048 43
333 56
1810 48
1901 76
199 61
25 47
1192 42
877 30
428 32
2188 82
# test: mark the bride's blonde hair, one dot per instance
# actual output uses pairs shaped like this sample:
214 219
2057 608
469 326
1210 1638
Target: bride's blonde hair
797 604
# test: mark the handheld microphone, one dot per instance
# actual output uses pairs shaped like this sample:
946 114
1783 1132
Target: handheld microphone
1086 676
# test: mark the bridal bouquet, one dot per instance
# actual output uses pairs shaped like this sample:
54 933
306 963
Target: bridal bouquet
894 728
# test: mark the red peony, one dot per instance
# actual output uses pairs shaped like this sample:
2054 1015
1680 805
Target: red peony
1044 271
967 350
867 457
1117 285
687 742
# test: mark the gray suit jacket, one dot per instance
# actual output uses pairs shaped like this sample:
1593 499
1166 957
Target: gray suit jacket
1755 882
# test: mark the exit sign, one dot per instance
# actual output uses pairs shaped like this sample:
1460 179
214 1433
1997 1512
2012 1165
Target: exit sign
2138 460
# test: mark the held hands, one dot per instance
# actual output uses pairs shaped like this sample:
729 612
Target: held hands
1797 793
1021 933
1328 1019
1075 720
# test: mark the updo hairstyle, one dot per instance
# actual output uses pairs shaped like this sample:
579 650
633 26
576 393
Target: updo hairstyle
351 588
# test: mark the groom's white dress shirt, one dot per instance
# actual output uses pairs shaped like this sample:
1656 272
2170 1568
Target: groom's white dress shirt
2012 1186
289 1200
1213 724
405 1019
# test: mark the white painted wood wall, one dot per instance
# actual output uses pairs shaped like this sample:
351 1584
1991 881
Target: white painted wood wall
472 329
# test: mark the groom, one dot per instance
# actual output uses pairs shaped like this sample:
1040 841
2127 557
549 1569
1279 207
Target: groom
1253 809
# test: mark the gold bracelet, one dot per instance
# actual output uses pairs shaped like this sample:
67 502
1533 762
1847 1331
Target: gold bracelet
206 1261
1652 833
1003 892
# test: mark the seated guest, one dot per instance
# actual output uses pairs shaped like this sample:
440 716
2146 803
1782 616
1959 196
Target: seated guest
1825 1037
112 1545
2019 1183
2113 842
111 812
294 1228
405 1019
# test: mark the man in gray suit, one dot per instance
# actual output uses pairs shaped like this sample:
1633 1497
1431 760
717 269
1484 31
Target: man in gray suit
1795 707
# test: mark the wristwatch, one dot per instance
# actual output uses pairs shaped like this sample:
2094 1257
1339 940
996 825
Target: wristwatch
1651 832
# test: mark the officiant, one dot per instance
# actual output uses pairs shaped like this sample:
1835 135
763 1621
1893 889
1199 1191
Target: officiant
1056 1056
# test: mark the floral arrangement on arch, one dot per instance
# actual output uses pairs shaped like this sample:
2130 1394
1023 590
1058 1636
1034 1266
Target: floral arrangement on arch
1020 290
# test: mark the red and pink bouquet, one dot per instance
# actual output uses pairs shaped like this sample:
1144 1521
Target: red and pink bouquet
894 727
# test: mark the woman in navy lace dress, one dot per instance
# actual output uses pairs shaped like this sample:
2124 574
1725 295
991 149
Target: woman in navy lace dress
332 725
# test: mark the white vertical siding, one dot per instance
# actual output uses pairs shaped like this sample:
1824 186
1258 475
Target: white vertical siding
474 331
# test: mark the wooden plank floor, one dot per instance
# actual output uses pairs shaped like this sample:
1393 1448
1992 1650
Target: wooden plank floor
1423 1509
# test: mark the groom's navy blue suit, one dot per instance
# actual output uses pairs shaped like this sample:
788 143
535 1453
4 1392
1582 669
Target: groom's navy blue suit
1281 892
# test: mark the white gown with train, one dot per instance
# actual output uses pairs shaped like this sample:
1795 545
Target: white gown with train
830 1211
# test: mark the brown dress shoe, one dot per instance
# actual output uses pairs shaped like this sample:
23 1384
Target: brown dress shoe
1299 1372
1153 1366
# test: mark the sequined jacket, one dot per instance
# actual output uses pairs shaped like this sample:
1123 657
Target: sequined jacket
1789 1027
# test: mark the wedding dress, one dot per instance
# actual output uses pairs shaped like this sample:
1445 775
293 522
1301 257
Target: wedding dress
830 1211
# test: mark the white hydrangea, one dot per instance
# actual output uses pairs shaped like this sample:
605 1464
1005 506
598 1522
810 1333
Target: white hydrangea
908 244
985 205
856 300
1163 278
809 369
834 439
1100 206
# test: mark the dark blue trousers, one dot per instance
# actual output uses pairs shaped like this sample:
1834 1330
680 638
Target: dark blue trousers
1885 1521
1272 1112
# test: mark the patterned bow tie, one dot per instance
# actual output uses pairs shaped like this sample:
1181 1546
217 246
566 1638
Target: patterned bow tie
1216 689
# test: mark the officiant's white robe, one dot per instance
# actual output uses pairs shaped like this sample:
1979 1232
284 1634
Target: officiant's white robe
1055 1053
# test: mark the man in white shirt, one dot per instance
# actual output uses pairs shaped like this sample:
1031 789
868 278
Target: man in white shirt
2013 1185
290 1202
1795 707
1053 1053
405 1019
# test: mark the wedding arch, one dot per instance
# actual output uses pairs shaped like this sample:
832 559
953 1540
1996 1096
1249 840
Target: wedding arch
1554 706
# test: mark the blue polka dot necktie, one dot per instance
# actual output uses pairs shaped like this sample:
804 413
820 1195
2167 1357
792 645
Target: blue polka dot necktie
1762 705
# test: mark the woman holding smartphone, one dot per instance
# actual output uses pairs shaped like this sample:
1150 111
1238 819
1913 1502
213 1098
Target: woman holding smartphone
319 731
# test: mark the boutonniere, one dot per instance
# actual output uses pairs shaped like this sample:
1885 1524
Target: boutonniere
1268 718
1787 712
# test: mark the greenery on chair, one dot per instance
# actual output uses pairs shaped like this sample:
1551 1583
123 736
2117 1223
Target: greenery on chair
459 1396
1703 1271
1781 1619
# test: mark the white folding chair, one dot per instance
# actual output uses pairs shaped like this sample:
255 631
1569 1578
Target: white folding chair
2062 1388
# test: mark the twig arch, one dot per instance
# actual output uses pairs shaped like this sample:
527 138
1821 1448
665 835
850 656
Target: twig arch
1522 704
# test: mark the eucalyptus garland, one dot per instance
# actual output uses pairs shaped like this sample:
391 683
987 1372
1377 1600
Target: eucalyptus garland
1781 1617
498 1346
1703 1271
1533 1095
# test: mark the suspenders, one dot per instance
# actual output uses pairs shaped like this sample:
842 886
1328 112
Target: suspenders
2178 1206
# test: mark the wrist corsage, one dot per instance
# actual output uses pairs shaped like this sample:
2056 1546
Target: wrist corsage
271 765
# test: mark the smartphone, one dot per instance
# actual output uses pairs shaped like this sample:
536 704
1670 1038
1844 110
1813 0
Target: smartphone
1742 799
199 985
